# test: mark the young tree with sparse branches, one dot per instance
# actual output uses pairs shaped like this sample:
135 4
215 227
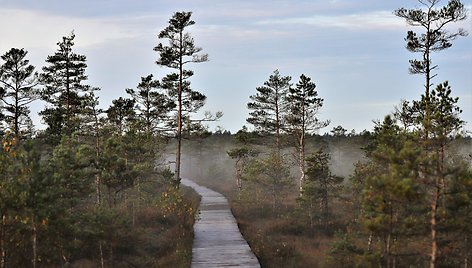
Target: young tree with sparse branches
272 173
178 53
242 156
435 38
320 186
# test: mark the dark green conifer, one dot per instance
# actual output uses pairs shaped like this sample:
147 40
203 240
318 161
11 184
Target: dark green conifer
268 106
177 54
18 89
64 90
303 105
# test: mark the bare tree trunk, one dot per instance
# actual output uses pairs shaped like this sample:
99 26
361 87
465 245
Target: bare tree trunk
277 119
443 182
434 205
390 239
274 199
17 115
395 251
434 244
310 214
102 260
388 250
3 261
324 209
466 251
34 242
179 146
111 255
237 174
240 183
97 177
301 151
61 255
97 189
427 60
369 242
179 116
440 184
277 137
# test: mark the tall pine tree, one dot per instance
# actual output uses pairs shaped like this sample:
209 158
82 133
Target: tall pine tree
178 53
64 89
18 88
268 106
435 38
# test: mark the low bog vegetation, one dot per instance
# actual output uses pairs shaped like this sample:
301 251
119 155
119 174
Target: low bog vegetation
353 231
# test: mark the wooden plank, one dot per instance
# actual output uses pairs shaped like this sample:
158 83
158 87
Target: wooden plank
218 242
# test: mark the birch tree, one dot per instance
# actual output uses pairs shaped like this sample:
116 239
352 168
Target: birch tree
301 119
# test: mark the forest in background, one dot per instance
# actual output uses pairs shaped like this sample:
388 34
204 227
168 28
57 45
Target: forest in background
295 235
101 187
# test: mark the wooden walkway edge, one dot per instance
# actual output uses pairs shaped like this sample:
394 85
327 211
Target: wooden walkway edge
218 242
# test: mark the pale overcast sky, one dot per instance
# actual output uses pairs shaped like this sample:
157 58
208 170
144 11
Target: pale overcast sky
353 50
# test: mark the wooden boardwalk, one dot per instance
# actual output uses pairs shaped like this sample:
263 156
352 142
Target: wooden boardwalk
218 242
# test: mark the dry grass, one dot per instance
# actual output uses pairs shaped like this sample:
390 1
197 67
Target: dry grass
151 237
281 240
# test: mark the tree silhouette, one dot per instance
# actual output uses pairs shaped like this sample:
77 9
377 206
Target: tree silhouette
178 53
18 88
64 89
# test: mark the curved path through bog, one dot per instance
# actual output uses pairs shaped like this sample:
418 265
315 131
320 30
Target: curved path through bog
218 242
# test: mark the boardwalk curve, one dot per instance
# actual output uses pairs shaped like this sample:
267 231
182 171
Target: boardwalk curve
218 242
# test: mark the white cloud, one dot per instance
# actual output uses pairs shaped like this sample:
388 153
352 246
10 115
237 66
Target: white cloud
371 20
40 29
